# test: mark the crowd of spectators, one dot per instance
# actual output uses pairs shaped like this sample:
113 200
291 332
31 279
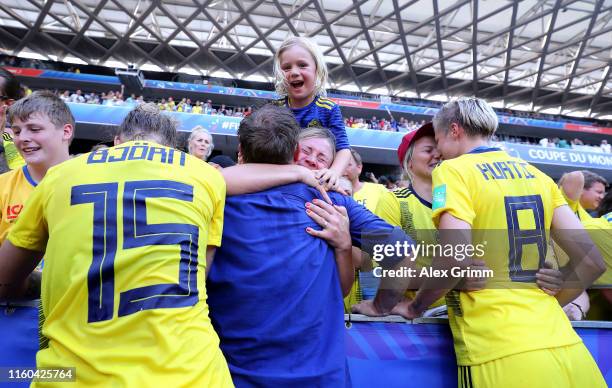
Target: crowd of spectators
556 142
383 124
577 144
186 105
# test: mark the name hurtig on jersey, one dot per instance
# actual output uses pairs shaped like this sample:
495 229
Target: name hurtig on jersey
510 169
137 151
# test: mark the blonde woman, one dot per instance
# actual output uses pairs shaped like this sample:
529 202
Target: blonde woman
200 143
411 209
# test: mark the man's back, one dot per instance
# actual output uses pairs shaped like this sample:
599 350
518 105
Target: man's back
275 294
123 288
509 205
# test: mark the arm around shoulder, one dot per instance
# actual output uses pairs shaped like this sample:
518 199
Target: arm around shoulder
585 261
572 185
254 177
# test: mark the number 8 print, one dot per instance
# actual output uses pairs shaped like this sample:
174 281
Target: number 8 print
517 237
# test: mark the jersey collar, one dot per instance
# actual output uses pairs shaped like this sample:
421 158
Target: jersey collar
28 177
421 199
302 108
481 149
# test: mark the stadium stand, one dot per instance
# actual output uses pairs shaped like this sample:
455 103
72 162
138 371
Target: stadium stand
516 132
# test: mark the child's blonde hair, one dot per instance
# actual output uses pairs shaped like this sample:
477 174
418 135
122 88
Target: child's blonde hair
317 55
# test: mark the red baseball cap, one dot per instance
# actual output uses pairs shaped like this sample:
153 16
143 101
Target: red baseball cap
426 129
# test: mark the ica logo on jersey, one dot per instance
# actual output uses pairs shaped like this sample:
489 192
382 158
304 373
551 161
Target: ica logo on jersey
12 211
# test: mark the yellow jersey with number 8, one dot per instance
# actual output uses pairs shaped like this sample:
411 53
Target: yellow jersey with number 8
509 205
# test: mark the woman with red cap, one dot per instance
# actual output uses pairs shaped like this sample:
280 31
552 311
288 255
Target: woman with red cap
410 208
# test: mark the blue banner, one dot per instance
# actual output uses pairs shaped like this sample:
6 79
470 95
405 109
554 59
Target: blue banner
393 354
183 86
222 125
92 78
113 115
559 156
364 138
378 354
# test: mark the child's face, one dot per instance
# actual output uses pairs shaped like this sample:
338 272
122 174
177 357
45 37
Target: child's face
38 140
300 72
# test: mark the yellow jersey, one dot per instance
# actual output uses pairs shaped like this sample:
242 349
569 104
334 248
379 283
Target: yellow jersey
13 157
125 231
15 188
368 196
577 208
600 231
509 205
405 208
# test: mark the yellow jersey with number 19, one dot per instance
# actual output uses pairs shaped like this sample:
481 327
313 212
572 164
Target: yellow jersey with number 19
509 205
123 292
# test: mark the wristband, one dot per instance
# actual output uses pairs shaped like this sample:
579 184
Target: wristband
579 308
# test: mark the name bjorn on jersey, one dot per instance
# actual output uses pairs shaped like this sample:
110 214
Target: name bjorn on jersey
510 169
137 151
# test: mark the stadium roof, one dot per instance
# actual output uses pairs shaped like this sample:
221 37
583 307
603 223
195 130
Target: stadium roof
544 55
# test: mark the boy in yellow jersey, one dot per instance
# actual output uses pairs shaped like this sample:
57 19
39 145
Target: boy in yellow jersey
127 233
43 127
517 335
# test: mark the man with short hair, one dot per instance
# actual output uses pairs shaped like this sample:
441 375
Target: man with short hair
594 190
274 289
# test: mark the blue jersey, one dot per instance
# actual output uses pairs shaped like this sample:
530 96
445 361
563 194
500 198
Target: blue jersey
322 112
274 291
